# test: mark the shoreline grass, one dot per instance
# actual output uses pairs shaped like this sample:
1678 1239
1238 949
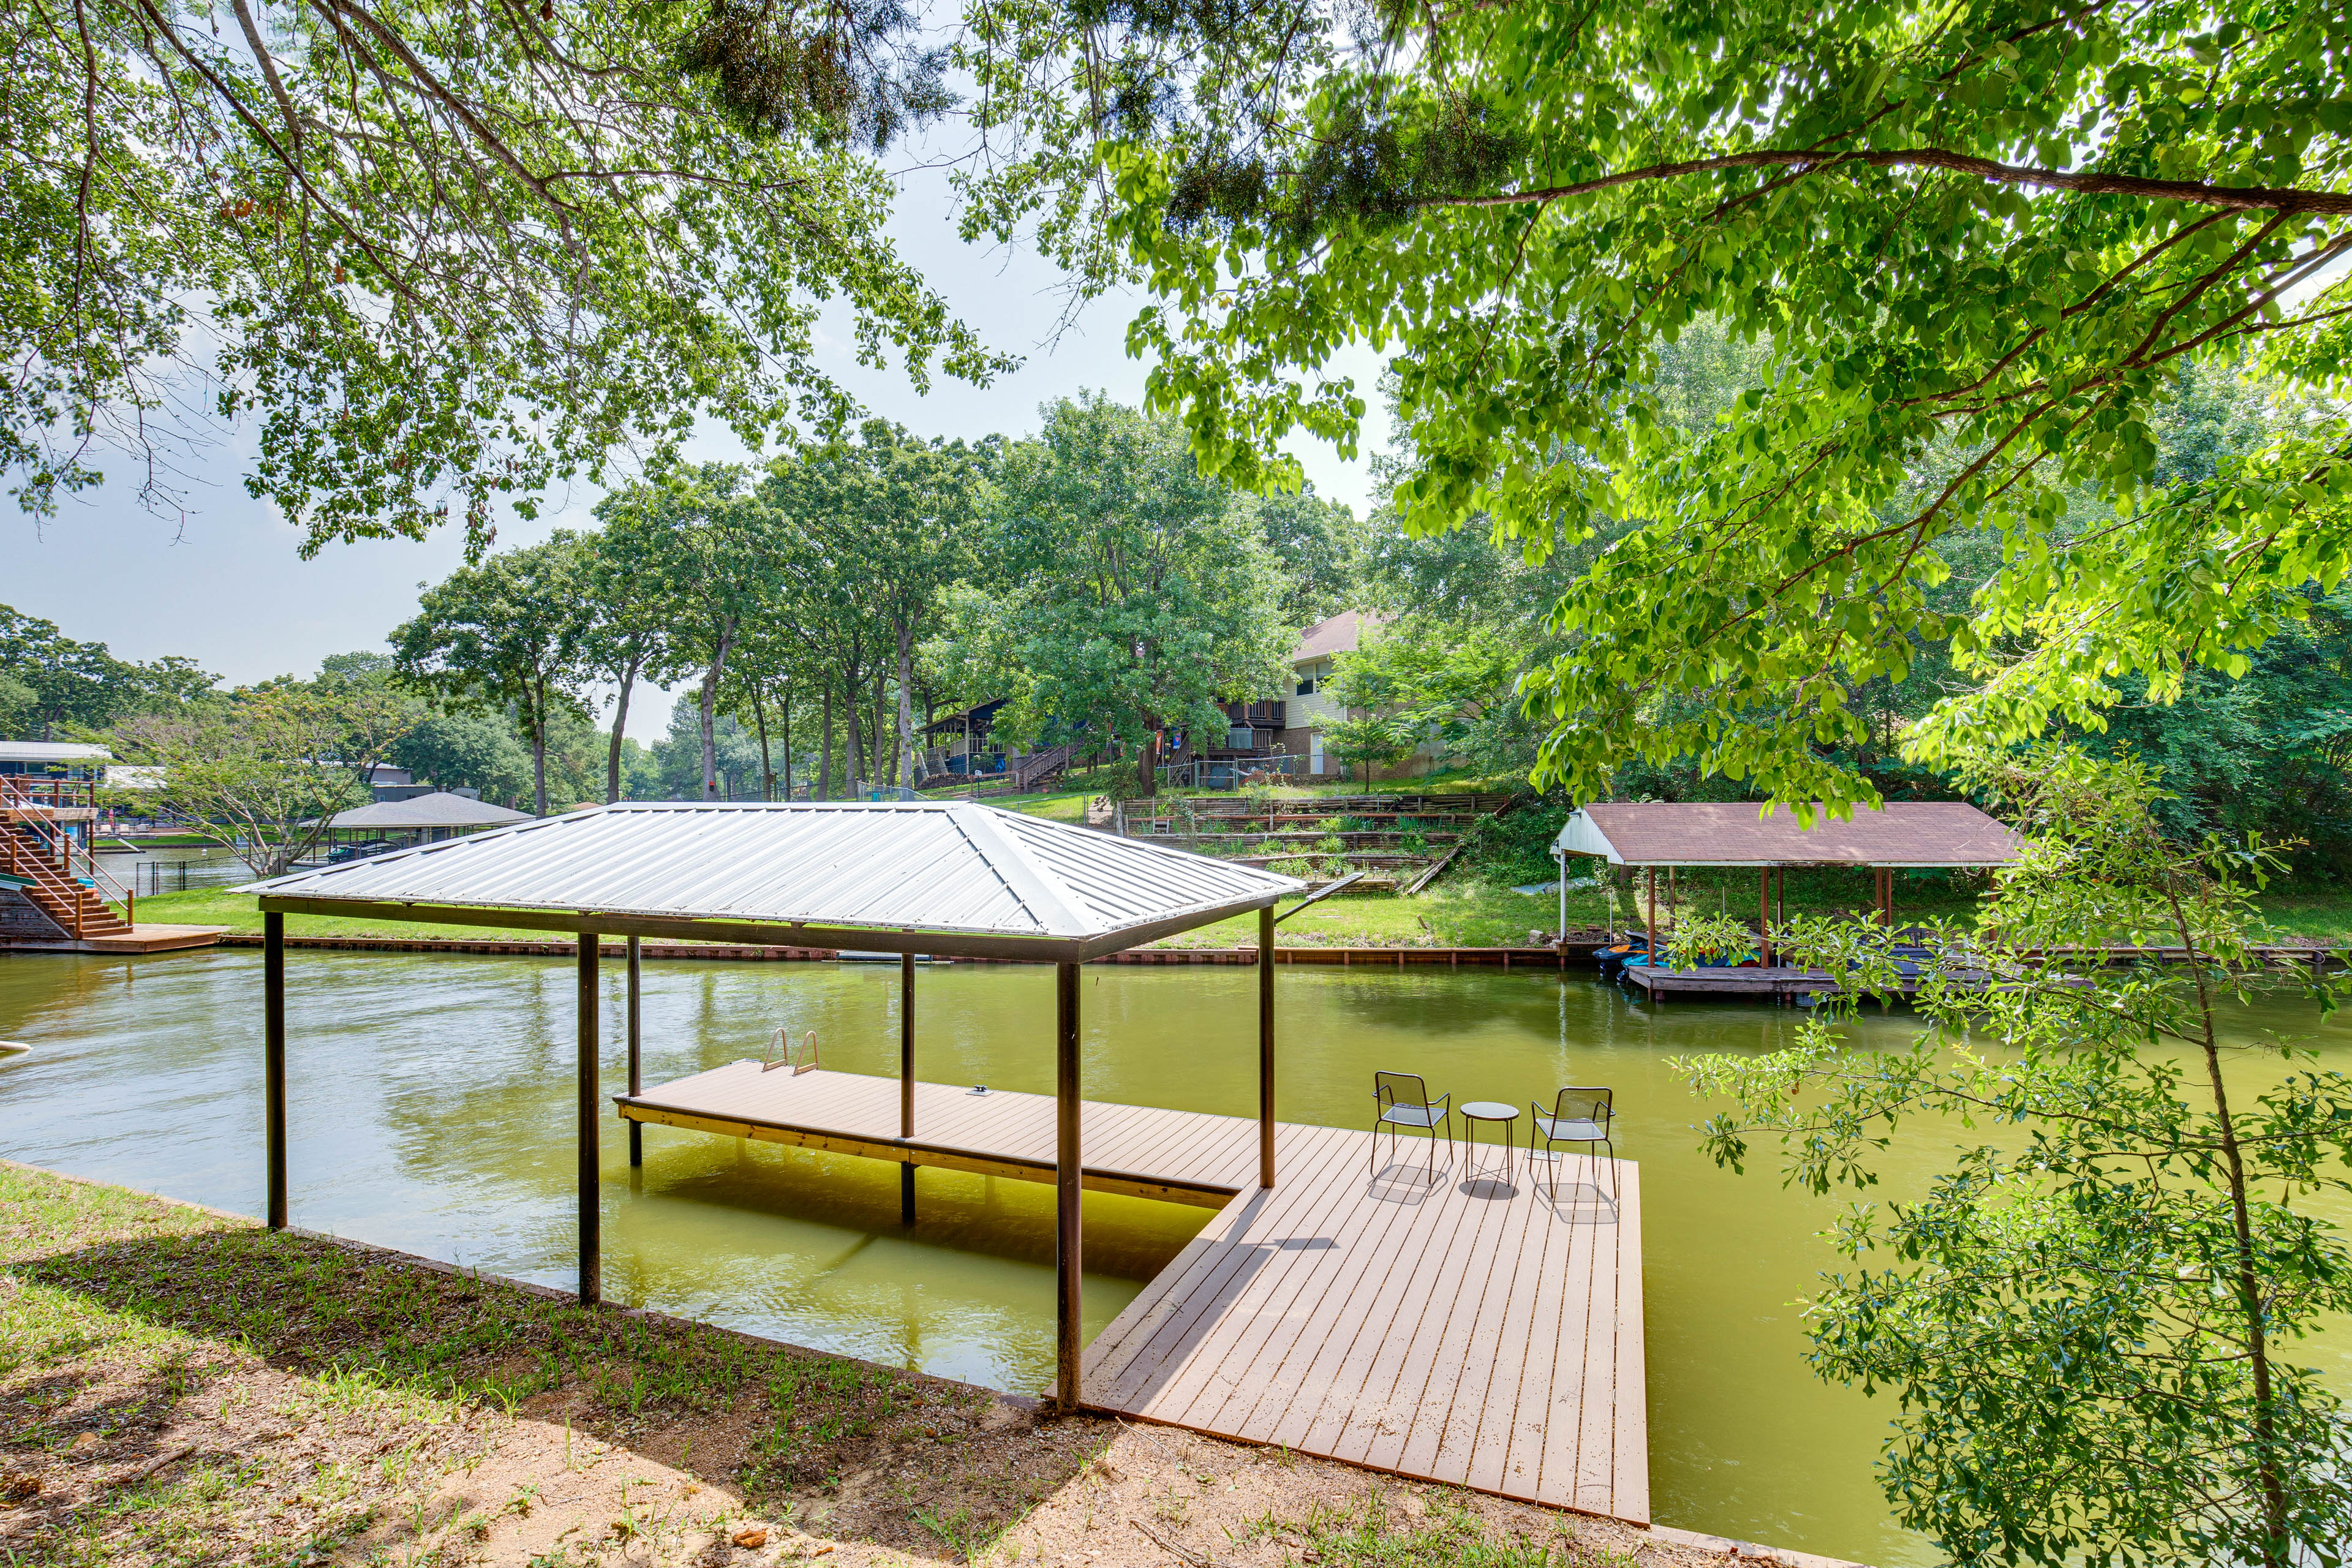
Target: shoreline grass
182 1387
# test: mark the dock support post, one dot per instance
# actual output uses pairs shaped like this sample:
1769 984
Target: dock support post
591 1261
906 1082
1069 1318
1764 914
637 1061
273 1060
1265 1046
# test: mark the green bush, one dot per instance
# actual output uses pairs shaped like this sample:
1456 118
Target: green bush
1516 849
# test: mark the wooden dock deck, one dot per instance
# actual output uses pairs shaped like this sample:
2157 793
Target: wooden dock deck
1178 1156
1780 980
1471 1329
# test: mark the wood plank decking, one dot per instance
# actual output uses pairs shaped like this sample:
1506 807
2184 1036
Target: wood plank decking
1468 1329
1179 1156
1780 980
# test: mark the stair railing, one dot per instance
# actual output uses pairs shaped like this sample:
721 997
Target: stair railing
59 846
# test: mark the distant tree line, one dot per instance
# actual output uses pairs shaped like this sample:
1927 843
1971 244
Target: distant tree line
823 611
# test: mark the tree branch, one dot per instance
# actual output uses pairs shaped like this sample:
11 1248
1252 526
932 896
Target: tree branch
2243 197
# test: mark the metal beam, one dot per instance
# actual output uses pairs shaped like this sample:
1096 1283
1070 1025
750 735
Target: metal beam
1069 1305
949 944
591 1261
1265 1046
1136 936
637 1061
906 1082
273 1060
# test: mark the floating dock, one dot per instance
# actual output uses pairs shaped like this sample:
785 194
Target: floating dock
1481 1326
1779 981
137 939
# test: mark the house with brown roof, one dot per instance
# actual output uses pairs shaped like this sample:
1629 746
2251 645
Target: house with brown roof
1309 709
1294 723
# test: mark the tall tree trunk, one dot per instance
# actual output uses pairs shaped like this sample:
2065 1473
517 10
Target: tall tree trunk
854 751
620 727
2277 1550
767 764
539 750
710 713
906 703
788 742
824 755
1147 765
882 771
707 701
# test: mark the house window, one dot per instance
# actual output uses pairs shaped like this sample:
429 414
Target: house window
1306 684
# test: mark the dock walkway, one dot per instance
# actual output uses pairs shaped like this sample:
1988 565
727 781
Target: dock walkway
1470 1330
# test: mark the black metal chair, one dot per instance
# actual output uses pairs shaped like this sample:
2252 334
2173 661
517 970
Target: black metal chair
1402 1100
1578 1116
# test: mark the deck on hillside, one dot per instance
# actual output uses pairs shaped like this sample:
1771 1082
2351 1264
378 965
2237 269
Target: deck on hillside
1476 1327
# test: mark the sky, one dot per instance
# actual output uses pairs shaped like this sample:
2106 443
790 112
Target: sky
224 584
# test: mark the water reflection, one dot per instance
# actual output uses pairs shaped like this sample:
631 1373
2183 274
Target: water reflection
432 1102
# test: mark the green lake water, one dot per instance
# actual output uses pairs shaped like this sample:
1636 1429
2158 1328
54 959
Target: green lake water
430 1105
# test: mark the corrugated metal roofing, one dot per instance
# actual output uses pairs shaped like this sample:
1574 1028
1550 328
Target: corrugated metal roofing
51 751
439 809
1708 833
924 867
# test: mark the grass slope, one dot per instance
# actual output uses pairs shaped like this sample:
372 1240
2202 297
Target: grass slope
184 1388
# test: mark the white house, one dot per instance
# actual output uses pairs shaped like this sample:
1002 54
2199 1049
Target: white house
1307 710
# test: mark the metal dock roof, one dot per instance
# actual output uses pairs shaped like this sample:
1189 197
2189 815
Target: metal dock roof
962 878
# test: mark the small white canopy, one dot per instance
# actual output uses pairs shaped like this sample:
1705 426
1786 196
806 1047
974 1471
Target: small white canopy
947 877
440 809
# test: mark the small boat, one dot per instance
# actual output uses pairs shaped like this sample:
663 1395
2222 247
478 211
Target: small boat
1613 958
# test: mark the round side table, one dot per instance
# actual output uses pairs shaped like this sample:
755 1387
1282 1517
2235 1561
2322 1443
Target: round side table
1477 1110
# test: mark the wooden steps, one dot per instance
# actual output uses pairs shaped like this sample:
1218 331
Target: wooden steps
77 910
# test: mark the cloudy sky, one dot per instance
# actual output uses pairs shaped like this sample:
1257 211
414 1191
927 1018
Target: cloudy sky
225 586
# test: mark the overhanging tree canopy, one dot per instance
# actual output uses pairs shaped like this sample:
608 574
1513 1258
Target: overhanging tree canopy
444 253
1981 241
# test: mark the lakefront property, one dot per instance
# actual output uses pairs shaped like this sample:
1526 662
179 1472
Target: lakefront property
1513 786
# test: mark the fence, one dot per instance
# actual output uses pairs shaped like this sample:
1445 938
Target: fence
1229 773
152 877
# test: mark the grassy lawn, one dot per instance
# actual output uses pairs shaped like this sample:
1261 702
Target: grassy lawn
182 1388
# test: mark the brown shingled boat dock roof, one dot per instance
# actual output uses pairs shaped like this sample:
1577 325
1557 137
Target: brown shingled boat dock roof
1924 833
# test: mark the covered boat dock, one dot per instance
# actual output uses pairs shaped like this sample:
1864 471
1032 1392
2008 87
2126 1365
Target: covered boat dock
1655 835
425 818
1475 1332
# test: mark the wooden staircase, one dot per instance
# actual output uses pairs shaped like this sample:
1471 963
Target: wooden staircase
30 864
1029 772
